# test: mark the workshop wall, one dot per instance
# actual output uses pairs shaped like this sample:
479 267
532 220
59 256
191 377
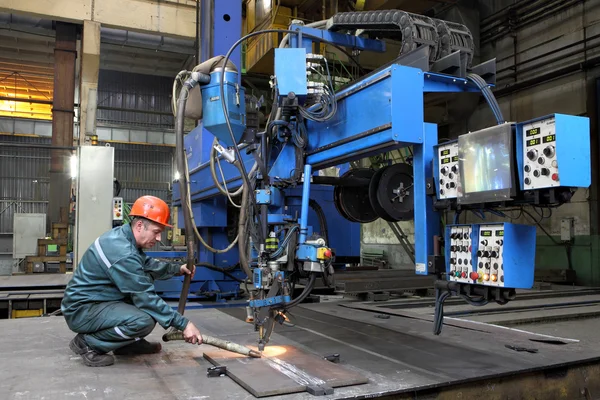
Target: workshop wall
546 60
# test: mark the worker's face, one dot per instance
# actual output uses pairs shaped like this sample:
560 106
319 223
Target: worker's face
147 234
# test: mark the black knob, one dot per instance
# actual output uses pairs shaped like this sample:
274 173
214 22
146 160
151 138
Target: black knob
480 264
532 154
479 253
487 265
549 151
495 265
444 170
452 261
486 254
441 181
494 254
460 261
452 185
484 242
541 160
465 249
453 248
455 168
527 168
545 171
502 278
441 191
499 242
536 173
527 181
466 262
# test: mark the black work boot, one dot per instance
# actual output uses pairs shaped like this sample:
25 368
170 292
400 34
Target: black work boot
141 346
91 358
94 359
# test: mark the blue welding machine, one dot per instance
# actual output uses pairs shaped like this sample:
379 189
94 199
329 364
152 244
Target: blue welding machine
214 118
493 254
554 151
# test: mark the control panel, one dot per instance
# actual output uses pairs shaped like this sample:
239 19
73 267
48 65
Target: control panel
461 253
494 254
539 146
554 151
446 170
117 209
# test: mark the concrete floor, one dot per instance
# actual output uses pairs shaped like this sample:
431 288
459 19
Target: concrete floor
397 355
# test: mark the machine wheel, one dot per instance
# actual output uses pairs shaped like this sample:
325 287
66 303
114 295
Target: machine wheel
391 193
353 202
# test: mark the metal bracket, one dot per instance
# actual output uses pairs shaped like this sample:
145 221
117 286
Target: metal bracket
436 265
334 358
214 372
319 390
430 187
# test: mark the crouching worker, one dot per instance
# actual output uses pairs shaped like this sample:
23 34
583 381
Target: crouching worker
111 302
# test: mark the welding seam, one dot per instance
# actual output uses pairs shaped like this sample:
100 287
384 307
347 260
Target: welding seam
296 374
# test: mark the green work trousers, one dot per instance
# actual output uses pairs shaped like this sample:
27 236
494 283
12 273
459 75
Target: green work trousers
110 325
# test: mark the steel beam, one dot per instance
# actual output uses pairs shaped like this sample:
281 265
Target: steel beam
90 68
176 18
63 112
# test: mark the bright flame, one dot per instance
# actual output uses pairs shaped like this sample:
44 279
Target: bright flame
73 163
273 351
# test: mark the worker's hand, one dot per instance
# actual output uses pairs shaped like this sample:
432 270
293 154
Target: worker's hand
191 334
185 271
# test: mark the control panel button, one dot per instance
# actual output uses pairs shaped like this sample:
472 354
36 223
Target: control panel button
545 171
532 154
541 160
549 151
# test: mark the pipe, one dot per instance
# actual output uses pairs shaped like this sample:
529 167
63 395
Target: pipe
183 189
305 201
316 24
213 341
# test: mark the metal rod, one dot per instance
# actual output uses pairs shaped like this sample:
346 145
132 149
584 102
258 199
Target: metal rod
213 341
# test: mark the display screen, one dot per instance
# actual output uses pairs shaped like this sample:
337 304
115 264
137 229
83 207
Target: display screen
445 152
549 138
533 142
486 233
445 160
500 233
486 162
531 132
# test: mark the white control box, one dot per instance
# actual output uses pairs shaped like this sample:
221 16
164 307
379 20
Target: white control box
540 165
490 250
461 254
447 170
117 209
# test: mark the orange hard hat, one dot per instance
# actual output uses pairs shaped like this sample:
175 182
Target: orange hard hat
152 208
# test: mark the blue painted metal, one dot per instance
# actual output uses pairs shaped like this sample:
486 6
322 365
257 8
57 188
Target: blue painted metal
290 71
305 201
212 108
263 196
307 252
257 279
427 221
354 42
572 145
518 254
269 301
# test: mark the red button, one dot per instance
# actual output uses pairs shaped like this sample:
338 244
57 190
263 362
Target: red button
474 276
327 253
555 177
464 274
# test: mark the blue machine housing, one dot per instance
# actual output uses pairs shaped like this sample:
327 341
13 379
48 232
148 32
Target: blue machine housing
212 109
290 70
517 257
573 151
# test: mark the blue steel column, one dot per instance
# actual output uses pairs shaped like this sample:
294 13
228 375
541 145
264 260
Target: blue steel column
305 200
221 28
427 221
